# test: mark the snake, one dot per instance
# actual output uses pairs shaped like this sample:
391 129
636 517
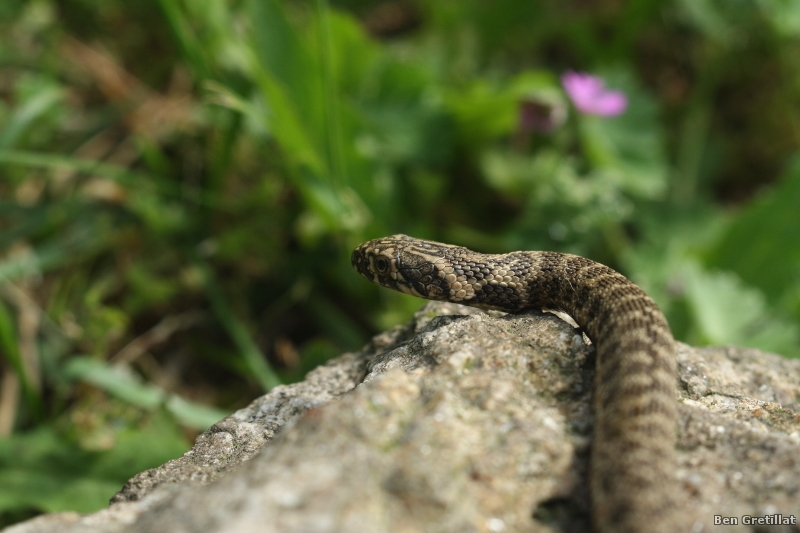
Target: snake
632 480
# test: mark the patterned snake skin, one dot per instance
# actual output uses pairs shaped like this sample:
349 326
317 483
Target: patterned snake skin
633 482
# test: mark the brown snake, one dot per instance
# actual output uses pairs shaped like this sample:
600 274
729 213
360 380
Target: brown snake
633 483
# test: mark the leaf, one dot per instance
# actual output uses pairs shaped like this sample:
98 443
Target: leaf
127 386
50 492
784 15
138 183
482 112
192 414
118 381
630 147
9 348
255 361
726 311
25 116
89 166
759 245
69 248
189 42
44 470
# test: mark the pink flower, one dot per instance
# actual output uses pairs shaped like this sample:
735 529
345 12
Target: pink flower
589 95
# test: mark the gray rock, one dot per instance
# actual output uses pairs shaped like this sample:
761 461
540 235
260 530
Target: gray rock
468 423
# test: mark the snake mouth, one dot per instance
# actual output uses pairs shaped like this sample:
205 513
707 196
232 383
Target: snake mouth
360 264
356 259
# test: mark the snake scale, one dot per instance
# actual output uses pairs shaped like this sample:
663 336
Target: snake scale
632 472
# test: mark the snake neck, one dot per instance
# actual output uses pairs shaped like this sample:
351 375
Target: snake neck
633 457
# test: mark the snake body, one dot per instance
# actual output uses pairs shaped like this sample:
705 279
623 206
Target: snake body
632 473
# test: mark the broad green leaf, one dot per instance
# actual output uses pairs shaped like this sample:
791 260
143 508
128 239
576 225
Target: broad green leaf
49 492
44 470
727 312
760 244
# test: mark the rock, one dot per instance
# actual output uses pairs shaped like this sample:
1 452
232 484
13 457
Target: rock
469 422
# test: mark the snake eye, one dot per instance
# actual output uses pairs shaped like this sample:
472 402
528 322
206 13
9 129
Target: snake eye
381 265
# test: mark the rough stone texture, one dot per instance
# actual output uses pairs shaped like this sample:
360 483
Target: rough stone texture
467 423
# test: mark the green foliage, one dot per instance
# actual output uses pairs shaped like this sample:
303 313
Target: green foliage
47 471
727 311
128 387
758 244
181 184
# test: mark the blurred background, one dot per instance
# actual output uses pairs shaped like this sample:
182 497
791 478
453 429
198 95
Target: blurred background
181 184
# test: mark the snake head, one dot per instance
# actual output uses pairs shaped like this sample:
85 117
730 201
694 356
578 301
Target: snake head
404 264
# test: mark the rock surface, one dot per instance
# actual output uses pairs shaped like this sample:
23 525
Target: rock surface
466 422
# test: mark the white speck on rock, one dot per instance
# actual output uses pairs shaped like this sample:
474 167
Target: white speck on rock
460 359
496 525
